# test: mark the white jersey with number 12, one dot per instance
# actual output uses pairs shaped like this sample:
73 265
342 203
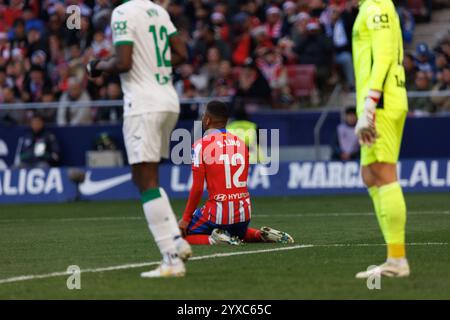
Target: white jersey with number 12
147 87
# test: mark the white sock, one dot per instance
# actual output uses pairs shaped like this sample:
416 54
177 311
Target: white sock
172 217
161 222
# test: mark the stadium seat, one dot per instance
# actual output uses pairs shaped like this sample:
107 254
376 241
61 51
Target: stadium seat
302 79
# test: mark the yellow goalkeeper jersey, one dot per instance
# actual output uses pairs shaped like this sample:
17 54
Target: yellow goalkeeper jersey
378 55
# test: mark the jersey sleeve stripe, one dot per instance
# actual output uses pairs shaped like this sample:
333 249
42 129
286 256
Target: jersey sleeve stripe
122 43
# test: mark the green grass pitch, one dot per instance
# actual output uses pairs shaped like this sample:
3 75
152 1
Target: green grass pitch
42 239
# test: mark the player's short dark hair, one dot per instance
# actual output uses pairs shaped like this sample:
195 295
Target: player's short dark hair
218 110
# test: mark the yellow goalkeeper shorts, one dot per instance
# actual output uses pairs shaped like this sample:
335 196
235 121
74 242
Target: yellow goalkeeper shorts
389 126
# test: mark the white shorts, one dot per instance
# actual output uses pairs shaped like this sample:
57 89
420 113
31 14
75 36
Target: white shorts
147 136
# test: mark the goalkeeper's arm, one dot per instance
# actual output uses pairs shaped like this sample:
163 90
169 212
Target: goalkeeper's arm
380 24
365 127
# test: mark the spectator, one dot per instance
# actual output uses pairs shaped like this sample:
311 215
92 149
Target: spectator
345 143
13 12
421 104
289 19
225 71
35 42
252 86
442 104
69 111
424 60
299 31
315 48
442 63
76 62
224 84
10 117
39 148
17 35
5 48
113 114
189 110
242 40
253 10
409 63
211 68
316 7
222 29
15 70
271 66
260 41
223 88
406 21
48 115
34 84
274 23
5 80
207 39
444 47
339 30
101 47
186 72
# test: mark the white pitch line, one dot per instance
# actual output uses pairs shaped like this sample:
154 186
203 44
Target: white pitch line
346 214
146 264
211 256
294 215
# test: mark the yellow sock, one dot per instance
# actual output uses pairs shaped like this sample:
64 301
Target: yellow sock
396 250
393 208
374 194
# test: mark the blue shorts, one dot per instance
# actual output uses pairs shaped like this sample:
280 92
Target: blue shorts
201 225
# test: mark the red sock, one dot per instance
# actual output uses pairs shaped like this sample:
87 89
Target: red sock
252 235
198 239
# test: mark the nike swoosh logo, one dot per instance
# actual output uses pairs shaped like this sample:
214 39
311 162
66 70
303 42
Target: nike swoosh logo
89 187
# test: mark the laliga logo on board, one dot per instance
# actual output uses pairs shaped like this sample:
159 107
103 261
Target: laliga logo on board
33 182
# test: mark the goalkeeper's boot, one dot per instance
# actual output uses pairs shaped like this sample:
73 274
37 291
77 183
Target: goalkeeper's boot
167 268
392 268
271 235
183 248
219 236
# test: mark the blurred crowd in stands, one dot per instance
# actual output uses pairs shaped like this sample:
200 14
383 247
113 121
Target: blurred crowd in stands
251 50
429 70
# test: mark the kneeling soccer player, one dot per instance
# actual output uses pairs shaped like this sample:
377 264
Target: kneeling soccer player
222 159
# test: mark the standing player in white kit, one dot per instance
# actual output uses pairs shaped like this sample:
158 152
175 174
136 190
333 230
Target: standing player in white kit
146 46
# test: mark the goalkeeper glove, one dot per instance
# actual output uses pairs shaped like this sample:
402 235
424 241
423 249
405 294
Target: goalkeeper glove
92 70
365 127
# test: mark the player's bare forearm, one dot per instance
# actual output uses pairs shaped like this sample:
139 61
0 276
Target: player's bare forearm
119 63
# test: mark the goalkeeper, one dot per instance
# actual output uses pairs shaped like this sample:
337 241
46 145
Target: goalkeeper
382 108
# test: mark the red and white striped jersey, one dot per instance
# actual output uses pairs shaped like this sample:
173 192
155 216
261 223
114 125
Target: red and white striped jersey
222 159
